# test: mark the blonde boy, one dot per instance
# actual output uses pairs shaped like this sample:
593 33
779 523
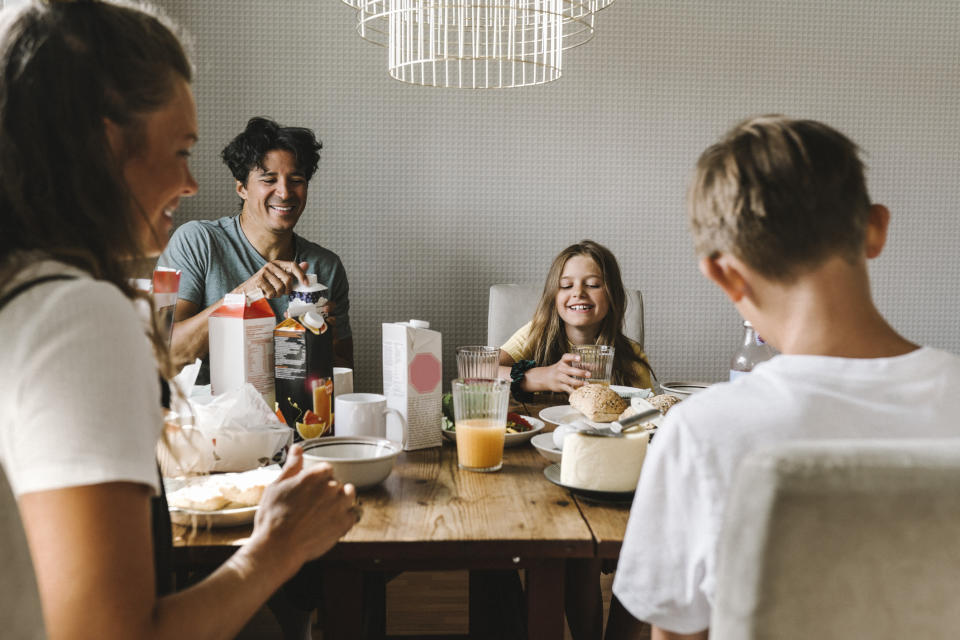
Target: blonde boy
783 225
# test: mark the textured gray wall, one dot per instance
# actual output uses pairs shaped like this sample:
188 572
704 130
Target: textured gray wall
429 195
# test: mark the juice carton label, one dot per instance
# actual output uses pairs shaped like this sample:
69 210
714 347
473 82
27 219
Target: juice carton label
412 373
303 359
241 345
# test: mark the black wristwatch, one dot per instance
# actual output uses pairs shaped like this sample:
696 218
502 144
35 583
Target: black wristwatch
517 372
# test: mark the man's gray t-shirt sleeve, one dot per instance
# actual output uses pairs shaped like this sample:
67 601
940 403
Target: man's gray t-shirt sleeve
340 296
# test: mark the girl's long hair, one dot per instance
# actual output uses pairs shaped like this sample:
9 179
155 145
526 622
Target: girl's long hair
548 333
67 67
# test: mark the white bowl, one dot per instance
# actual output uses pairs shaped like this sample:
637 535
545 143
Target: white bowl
683 389
360 460
544 445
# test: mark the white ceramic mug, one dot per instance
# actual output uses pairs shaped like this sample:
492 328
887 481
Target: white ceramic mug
342 382
363 414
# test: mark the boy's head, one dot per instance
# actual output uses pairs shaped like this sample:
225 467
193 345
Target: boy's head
780 194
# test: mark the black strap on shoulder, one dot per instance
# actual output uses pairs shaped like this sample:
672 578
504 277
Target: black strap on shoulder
29 284
159 511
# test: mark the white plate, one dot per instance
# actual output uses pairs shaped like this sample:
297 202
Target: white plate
213 519
543 443
630 392
565 414
553 475
561 414
512 439
230 517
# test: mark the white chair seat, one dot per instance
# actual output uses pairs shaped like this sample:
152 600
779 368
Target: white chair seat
842 539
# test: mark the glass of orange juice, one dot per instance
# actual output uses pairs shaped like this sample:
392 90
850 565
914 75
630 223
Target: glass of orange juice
480 416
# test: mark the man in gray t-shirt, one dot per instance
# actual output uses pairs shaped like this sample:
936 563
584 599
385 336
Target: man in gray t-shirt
256 249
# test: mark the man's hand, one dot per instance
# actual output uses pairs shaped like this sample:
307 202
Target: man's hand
276 278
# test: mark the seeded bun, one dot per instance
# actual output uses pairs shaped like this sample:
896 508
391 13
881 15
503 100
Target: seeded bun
663 402
598 403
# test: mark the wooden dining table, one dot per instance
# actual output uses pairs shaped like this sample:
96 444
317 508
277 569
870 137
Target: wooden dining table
431 515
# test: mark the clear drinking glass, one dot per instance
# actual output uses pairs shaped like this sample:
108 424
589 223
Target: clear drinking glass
480 414
477 362
597 359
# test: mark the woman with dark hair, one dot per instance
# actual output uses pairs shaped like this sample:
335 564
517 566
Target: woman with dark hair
583 302
97 120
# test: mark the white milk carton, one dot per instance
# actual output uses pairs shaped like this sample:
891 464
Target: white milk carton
412 377
241 345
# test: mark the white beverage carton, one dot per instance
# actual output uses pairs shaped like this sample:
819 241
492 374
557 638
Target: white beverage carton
412 377
241 345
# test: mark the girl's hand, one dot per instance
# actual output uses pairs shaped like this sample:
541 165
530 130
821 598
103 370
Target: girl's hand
305 511
561 376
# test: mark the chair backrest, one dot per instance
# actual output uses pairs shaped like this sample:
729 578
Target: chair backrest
842 539
512 305
19 599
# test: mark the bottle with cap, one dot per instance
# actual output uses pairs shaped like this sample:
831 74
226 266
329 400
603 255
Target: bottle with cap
301 297
753 350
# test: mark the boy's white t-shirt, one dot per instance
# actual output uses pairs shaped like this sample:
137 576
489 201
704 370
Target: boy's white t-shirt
79 387
667 564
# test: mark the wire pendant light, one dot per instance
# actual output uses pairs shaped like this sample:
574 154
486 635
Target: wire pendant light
453 43
476 44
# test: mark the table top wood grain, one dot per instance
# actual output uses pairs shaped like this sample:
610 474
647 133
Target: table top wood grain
430 507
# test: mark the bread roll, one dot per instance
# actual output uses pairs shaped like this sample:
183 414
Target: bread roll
632 411
198 497
598 403
663 402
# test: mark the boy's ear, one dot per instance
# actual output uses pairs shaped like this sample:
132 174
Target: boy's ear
878 220
241 190
726 272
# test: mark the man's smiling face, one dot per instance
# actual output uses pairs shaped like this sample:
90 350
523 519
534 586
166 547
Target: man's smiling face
274 196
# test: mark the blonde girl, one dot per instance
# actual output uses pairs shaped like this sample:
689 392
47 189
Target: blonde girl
583 302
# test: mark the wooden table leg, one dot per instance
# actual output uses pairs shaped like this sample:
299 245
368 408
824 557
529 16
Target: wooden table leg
496 605
342 604
374 605
545 600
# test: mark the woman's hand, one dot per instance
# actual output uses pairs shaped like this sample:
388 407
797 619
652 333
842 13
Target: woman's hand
561 376
305 511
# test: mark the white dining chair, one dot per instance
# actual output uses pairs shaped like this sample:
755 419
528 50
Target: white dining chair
20 610
512 305
842 539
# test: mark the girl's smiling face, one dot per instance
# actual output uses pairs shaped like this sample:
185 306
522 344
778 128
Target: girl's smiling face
582 298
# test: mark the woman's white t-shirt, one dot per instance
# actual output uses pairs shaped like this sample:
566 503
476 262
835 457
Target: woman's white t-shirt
79 390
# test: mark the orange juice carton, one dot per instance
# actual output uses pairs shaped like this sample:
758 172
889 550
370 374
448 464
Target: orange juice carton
166 284
162 288
241 344
412 374
303 363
